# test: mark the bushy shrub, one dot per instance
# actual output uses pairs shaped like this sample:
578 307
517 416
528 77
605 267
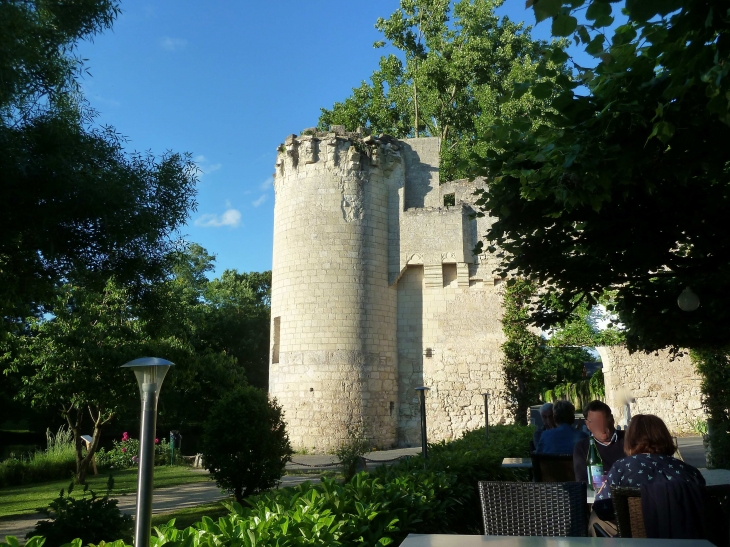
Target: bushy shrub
91 519
57 461
125 453
245 445
352 449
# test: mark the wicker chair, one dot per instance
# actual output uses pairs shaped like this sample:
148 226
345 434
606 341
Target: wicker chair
552 467
630 516
534 509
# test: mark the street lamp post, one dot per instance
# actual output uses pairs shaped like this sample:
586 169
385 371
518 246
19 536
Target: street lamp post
486 413
150 372
424 440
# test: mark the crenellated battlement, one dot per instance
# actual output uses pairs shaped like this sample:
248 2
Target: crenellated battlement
344 152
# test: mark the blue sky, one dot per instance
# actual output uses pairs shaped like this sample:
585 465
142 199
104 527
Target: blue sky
227 81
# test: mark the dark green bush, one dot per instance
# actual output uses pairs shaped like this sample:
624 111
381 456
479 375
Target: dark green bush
245 444
91 519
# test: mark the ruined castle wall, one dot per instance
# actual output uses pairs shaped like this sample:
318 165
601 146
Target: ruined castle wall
333 354
667 388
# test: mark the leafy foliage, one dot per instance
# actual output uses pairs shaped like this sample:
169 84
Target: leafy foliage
714 367
245 444
624 188
579 393
454 64
374 509
523 351
352 449
90 519
74 205
57 461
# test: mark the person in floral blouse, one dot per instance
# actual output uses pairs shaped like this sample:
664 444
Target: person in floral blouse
649 449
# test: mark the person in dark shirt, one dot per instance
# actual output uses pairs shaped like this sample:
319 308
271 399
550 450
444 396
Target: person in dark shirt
561 439
649 447
548 422
609 442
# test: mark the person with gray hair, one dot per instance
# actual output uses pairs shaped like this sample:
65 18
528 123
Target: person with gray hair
561 439
546 413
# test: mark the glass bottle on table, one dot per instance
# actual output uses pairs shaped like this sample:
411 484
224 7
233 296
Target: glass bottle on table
594 463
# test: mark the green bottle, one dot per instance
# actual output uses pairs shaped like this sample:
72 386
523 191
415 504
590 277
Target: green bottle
595 466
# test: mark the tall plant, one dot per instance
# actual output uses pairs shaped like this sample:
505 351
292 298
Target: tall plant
523 350
714 367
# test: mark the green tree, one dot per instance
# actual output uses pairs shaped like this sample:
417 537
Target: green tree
245 444
454 64
524 354
625 187
74 205
239 321
72 361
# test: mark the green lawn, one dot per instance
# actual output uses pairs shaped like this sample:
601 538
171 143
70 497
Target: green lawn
18 500
190 515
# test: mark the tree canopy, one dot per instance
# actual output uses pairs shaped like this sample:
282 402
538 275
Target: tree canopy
452 68
75 206
624 187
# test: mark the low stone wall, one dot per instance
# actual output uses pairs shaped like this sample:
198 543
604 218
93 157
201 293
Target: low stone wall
659 385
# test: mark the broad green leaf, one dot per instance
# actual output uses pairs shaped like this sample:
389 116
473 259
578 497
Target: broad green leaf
546 8
559 56
564 25
595 47
543 90
598 9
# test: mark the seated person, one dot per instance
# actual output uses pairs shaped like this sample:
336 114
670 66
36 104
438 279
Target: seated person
562 438
649 447
609 442
546 413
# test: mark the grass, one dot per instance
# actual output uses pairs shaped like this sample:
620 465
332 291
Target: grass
19 500
190 515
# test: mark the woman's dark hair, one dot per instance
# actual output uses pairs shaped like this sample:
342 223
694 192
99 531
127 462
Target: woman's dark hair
564 412
647 434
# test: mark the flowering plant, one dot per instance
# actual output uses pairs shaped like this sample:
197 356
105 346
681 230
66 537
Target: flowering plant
125 453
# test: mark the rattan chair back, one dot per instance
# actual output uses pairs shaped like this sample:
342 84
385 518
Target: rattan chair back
629 515
552 467
534 509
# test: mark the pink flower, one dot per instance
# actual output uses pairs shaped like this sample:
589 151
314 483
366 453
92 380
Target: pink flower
157 441
124 449
125 436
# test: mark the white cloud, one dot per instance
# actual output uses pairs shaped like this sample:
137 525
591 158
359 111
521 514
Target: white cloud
206 168
259 201
173 44
231 217
268 183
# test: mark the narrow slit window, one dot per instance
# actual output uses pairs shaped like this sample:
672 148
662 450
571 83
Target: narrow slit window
277 331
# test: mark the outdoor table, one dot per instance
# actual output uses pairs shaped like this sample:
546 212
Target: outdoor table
447 540
517 463
716 477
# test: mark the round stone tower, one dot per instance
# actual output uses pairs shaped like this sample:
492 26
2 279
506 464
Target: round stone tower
334 316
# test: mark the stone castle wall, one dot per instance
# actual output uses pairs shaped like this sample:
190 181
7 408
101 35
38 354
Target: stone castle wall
375 291
333 360
667 388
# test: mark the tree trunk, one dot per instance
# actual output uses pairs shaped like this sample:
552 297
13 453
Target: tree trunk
83 462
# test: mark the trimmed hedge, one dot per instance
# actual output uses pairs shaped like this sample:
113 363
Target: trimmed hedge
379 508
